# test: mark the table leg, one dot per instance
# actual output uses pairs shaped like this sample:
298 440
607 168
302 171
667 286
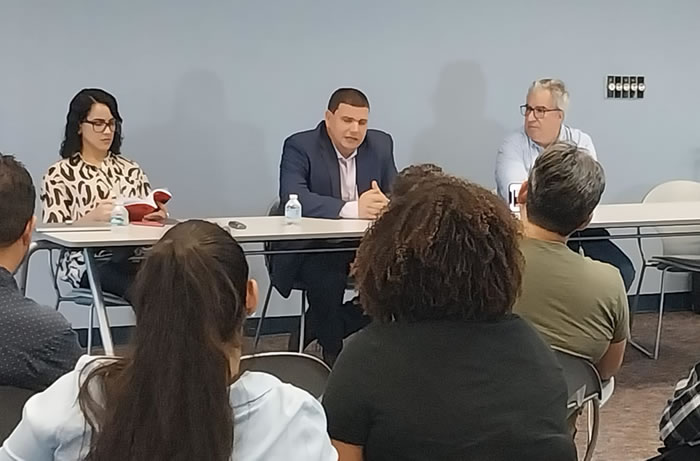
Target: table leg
98 300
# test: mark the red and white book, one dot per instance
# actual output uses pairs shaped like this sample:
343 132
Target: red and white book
140 207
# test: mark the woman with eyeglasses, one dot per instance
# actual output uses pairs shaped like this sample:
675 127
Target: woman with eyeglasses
81 186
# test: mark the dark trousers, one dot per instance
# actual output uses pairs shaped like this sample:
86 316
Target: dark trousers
116 274
604 251
325 275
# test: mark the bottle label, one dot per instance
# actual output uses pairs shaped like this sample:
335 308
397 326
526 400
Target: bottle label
292 212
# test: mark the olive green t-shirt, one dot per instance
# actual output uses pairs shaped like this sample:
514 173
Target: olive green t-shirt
576 303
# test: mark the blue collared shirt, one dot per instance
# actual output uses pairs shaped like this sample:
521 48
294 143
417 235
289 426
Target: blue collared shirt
518 153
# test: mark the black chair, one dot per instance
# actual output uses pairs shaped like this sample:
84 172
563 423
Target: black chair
12 401
585 389
303 371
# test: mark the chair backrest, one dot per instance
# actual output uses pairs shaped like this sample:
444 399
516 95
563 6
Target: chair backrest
582 379
303 371
677 191
12 401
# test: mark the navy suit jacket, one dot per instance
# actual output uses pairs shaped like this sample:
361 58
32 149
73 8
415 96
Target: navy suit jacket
309 168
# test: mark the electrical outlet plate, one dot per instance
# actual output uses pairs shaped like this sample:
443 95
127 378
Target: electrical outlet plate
625 87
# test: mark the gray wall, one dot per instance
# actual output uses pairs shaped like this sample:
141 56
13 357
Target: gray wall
209 89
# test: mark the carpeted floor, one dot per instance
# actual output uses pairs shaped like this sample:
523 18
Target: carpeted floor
629 421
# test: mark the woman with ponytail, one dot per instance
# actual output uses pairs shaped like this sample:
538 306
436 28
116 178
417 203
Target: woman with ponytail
178 395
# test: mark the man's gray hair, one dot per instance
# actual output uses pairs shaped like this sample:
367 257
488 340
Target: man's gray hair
564 187
556 88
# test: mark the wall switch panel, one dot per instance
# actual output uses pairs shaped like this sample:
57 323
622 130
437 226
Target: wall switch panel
625 87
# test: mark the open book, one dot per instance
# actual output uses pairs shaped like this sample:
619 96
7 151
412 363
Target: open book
140 207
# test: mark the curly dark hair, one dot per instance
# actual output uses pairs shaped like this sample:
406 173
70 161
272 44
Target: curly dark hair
78 109
412 174
447 249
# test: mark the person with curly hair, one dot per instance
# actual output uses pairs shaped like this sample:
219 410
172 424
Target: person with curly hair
445 370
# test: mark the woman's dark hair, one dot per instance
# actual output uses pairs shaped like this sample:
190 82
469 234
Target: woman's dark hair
446 249
169 399
77 113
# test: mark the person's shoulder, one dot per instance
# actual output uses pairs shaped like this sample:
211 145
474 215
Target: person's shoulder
279 420
579 137
514 138
54 170
49 412
602 276
264 393
45 318
368 340
379 141
374 135
304 137
124 161
525 336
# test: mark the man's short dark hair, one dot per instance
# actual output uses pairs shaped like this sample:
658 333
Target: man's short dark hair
17 197
563 189
412 175
350 96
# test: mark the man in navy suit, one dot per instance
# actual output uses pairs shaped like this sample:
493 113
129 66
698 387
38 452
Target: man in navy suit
338 170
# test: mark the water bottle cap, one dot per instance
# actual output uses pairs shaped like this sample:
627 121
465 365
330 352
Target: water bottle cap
293 196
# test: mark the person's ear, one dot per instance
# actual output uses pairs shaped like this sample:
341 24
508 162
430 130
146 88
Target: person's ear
251 296
28 231
522 193
327 116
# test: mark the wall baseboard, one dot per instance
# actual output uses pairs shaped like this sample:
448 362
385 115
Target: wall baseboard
675 302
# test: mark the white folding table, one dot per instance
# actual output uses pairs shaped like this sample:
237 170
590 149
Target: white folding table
258 230
644 218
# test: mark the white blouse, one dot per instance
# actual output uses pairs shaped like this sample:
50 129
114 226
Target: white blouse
272 420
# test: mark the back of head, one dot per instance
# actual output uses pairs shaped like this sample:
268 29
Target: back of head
169 400
411 175
446 249
350 96
17 199
564 187
78 110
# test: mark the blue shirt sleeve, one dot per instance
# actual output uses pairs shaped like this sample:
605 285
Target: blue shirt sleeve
510 163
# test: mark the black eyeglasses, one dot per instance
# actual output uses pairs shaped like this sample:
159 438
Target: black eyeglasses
99 125
539 111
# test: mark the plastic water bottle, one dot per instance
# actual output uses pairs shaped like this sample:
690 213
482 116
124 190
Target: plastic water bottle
292 210
120 215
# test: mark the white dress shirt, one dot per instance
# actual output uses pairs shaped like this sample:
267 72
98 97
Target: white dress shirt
348 185
271 421
518 153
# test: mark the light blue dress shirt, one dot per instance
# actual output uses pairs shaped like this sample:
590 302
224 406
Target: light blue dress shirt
272 421
518 153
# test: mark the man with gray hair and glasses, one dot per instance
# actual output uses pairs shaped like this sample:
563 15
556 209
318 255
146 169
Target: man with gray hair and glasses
544 111
576 303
